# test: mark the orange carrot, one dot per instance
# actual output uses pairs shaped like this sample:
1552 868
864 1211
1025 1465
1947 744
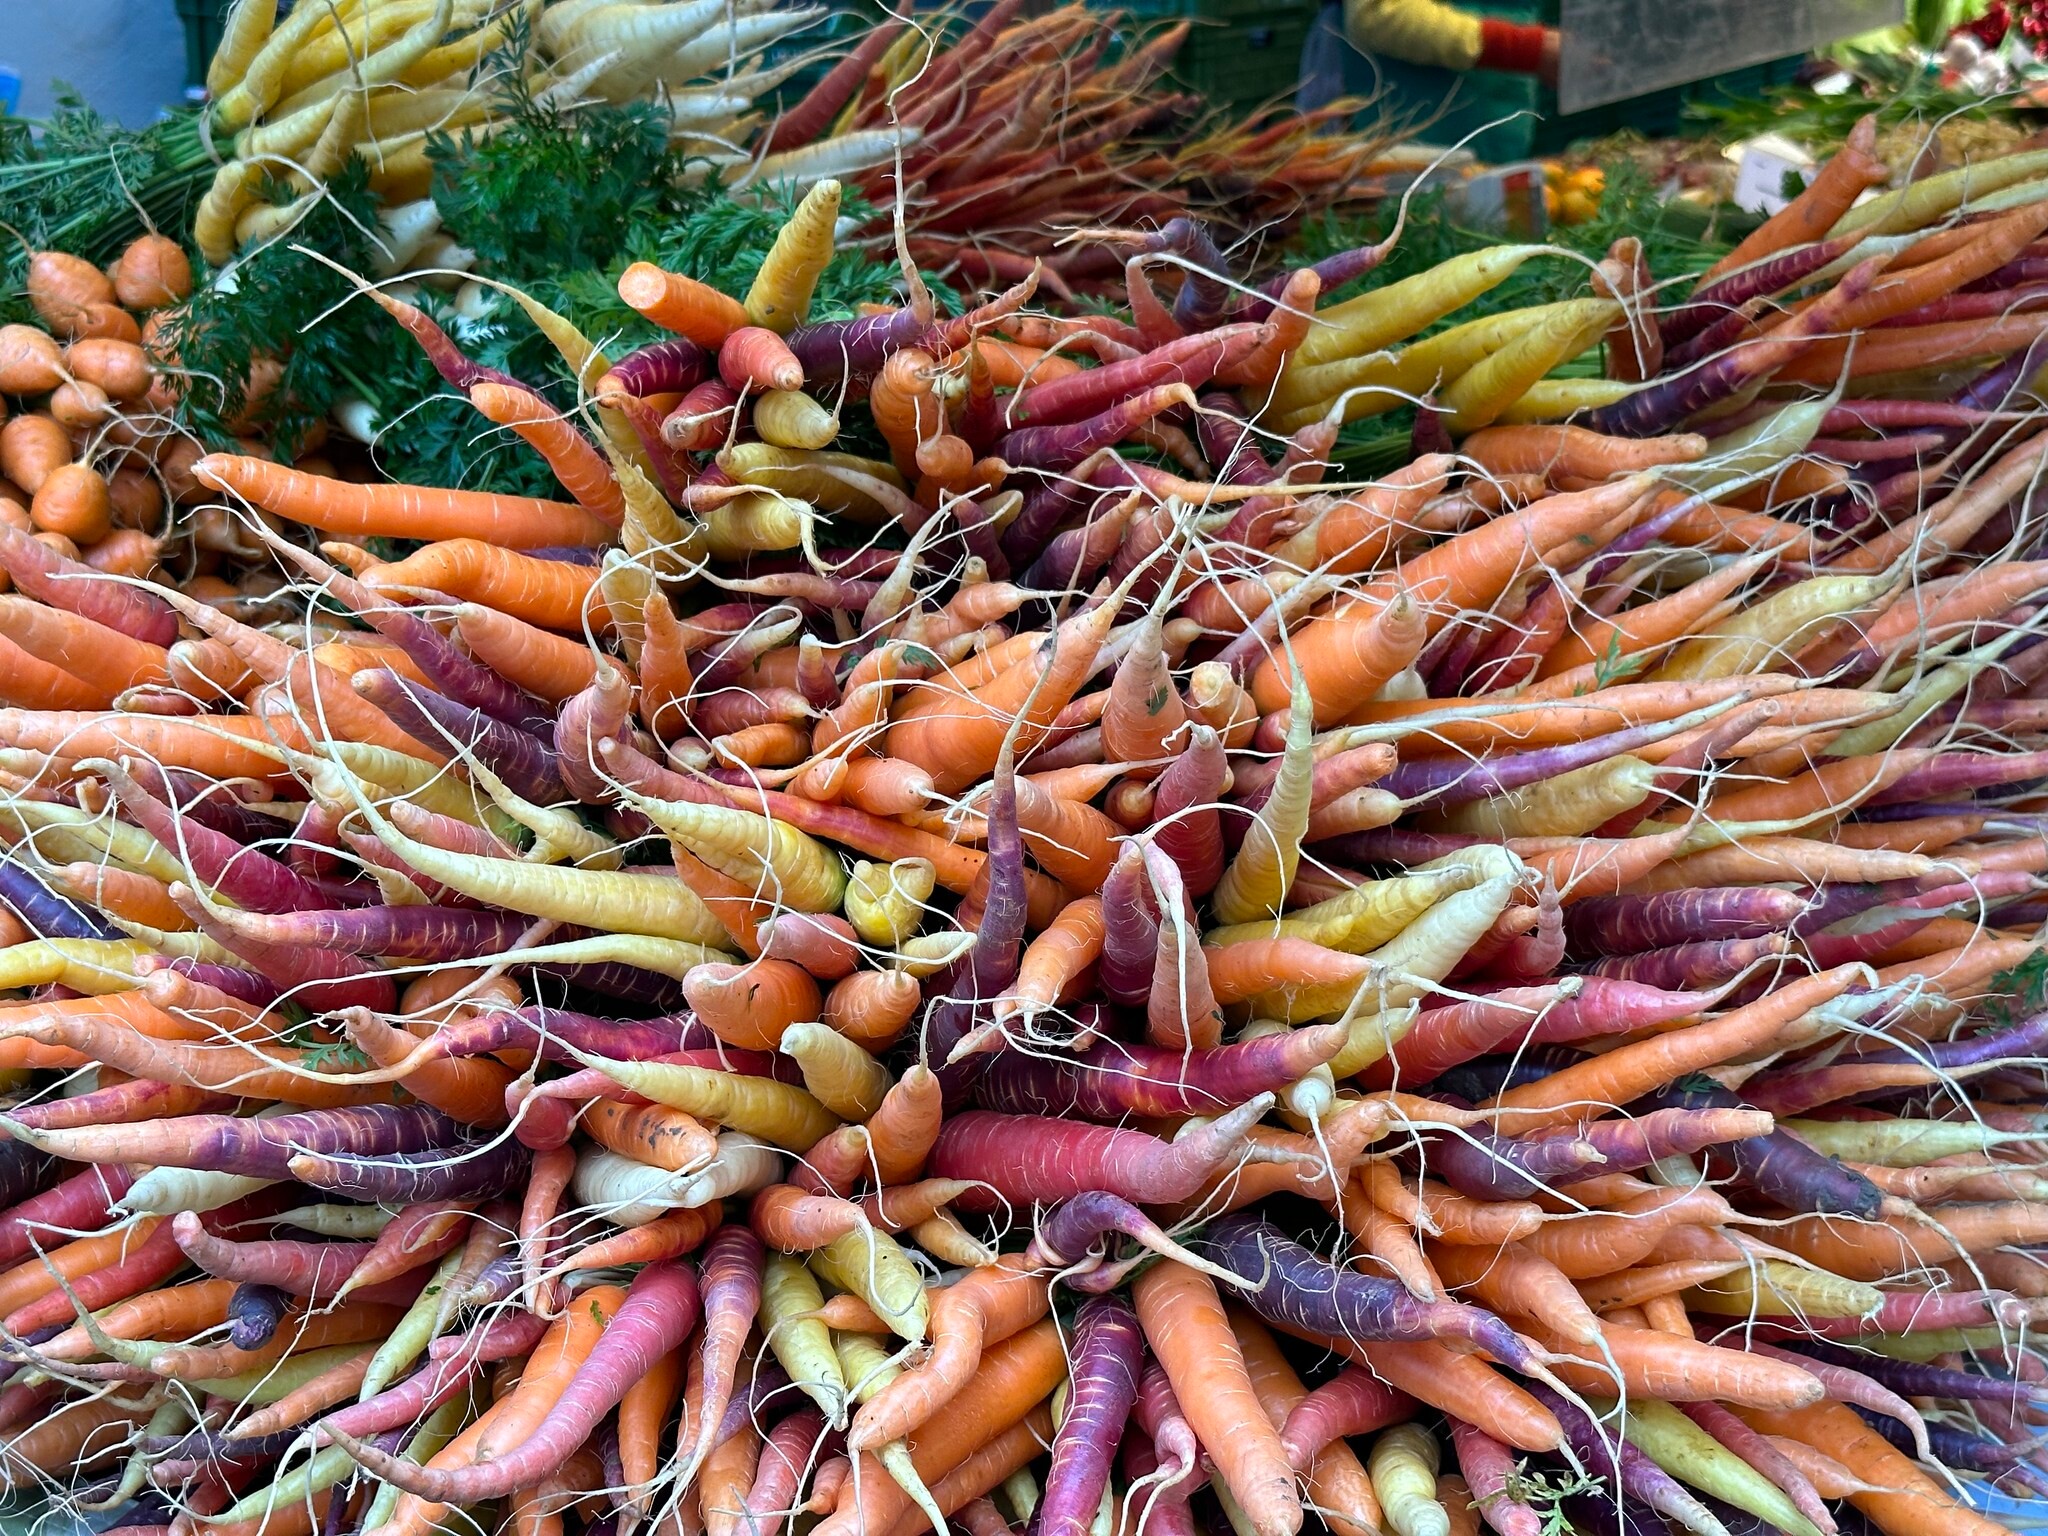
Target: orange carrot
681 304
582 470
1190 1334
552 666
400 511
555 594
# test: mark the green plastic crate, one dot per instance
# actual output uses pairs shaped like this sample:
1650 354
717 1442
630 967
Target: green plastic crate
202 22
1242 63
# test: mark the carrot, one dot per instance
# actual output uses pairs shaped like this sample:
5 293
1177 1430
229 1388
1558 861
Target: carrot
1472 568
1625 1074
681 304
1900 1498
780 297
1186 1326
751 1005
1338 1487
400 511
1849 172
554 594
580 468
552 666
105 658
27 682
982 1309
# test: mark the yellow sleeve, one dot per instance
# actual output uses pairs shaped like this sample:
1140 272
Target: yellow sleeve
1414 31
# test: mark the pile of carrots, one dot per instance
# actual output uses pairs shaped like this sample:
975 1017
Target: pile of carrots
1084 975
1000 137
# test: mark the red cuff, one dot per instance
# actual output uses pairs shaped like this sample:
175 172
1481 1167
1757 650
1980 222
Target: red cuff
1513 47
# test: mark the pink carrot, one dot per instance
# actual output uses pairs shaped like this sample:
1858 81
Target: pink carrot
1025 1158
659 1312
1353 1402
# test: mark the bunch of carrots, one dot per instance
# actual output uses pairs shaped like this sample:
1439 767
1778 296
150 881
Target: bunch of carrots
998 137
1083 975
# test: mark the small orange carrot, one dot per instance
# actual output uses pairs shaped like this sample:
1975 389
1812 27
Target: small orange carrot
682 304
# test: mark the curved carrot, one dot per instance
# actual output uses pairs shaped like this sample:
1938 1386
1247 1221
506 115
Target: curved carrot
581 469
554 594
552 666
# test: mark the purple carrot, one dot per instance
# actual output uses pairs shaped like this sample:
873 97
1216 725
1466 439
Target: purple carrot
1228 442
51 1217
204 800
1454 781
1677 967
1073 558
42 911
1947 1446
1190 360
24 1171
1762 1456
856 348
730 1274
1846 1384
1489 1166
261 1149
520 758
1186 825
1114 1079
1727 328
1898 415
49 577
317 979
990 967
1662 405
1995 387
1760 280
601 712
1489 1470
1164 1509
1106 1353
673 365
1299 1291
1046 508
453 1361
1620 1464
1479 1080
1068 1233
557 1034
1204 290
1020 1159
1056 449
1877 451
440 934
1353 1402
1955 774
236 981
658 1314
116 1104
1130 929
409 1178
446 667
1618 925
1912 1378
246 877
254 1311
1779 1166
302 1268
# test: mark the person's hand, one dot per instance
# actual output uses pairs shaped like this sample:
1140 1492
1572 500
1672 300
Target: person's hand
1546 68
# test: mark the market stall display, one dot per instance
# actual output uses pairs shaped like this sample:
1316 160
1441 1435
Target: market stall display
918 913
